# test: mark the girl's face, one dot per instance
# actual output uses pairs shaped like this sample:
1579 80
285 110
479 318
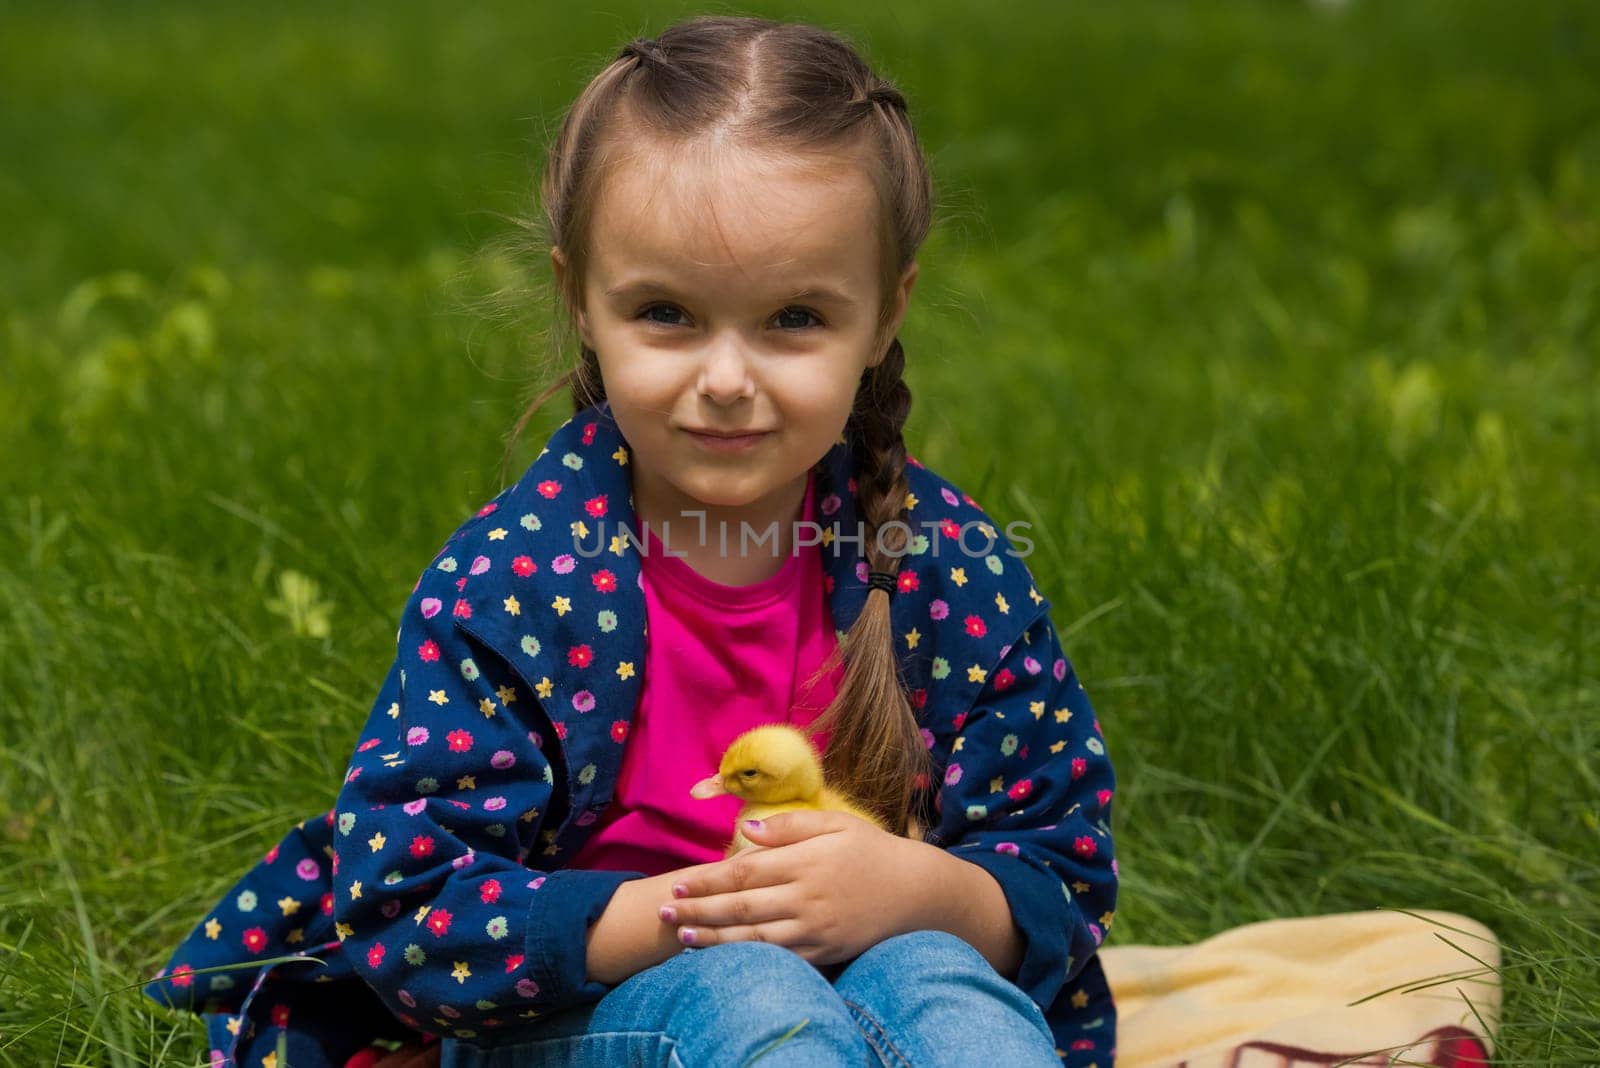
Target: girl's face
733 293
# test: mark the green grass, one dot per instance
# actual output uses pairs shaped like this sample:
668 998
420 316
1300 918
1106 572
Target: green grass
1287 315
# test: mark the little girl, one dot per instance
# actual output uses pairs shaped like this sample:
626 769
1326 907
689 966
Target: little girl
728 532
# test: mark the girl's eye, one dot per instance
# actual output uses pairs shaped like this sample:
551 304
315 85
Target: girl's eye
791 318
794 318
649 314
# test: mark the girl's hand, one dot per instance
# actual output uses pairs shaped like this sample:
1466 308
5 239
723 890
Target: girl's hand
828 885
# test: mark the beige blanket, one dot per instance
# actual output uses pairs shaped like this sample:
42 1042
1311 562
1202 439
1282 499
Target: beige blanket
1346 988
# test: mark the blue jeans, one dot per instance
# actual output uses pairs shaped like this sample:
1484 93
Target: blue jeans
921 998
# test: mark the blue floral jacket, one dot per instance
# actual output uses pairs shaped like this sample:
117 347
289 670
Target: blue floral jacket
433 896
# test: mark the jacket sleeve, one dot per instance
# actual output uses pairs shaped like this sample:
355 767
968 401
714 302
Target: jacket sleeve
1027 797
444 798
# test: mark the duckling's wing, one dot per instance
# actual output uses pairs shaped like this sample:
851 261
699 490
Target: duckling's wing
760 810
836 800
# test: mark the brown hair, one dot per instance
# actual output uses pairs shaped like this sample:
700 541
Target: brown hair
798 88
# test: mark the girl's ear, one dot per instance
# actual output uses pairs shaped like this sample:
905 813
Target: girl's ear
901 298
564 284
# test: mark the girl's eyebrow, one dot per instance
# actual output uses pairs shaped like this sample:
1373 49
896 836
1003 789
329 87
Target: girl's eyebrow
816 294
820 295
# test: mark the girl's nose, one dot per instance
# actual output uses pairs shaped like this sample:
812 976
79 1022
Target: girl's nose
725 371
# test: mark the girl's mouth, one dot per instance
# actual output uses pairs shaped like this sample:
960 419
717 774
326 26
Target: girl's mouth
715 443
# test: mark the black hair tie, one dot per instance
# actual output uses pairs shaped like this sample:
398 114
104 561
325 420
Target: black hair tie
881 580
645 50
888 96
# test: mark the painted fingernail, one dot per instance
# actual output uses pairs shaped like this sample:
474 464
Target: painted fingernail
687 934
680 890
754 825
669 913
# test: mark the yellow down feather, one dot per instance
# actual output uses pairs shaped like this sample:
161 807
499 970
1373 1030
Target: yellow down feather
774 768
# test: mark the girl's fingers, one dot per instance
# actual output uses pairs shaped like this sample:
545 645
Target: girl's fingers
762 905
787 933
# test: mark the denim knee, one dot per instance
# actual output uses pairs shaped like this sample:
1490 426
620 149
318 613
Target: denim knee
922 951
736 999
945 966
740 982
712 1005
754 979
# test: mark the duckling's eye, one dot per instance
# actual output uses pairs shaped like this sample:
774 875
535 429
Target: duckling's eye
748 773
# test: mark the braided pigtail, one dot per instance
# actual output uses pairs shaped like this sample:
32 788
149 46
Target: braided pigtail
875 747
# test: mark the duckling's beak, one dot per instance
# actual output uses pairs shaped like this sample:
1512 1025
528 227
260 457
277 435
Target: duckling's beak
710 786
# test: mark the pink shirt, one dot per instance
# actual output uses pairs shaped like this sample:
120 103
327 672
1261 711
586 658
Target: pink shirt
718 661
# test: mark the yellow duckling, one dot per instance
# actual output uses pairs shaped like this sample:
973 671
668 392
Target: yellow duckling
774 768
